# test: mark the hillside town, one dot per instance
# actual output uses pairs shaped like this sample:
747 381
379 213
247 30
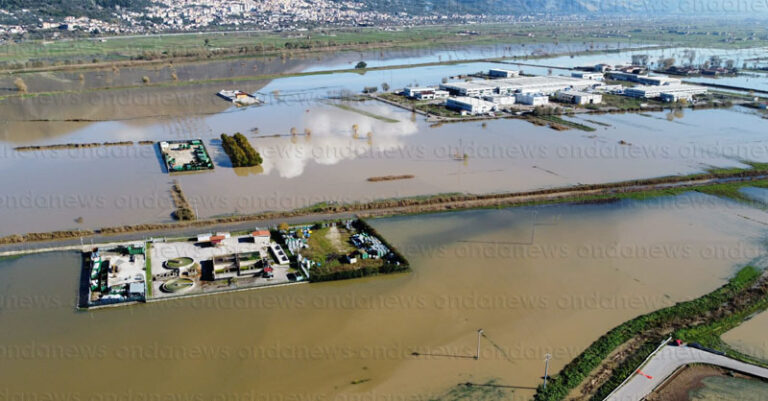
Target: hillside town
196 15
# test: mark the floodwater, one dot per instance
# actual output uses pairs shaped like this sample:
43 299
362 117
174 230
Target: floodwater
126 185
750 337
536 280
721 388
107 186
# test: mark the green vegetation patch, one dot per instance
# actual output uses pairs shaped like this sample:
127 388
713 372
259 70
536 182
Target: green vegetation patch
240 151
148 270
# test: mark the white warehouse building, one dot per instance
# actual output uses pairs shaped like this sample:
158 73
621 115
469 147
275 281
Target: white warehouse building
578 97
470 88
414 91
470 105
546 85
501 73
592 76
531 99
500 100
644 79
666 92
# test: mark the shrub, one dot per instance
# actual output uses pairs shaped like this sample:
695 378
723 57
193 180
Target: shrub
21 86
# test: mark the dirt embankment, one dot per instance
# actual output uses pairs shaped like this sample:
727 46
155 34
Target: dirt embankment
435 203
391 178
183 209
77 145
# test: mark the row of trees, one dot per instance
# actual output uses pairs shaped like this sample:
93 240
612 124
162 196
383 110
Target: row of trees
240 151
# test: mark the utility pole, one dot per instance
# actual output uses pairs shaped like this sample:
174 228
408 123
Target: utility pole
479 333
547 357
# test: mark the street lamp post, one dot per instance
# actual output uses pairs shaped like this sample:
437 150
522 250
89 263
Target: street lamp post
547 357
479 333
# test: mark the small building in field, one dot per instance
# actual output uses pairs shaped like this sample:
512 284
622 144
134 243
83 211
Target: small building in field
502 73
578 97
470 105
531 99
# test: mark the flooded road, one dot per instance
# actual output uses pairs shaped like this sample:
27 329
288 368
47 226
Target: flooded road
537 280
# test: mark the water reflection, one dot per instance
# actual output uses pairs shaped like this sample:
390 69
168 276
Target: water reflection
332 139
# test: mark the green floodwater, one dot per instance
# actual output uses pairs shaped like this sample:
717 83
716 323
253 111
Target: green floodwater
730 388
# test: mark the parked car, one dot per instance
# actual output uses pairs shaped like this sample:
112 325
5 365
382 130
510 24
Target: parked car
294 277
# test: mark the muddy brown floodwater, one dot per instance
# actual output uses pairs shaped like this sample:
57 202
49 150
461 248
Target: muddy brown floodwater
537 280
750 337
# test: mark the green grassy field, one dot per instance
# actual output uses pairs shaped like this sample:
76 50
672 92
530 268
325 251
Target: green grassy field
40 53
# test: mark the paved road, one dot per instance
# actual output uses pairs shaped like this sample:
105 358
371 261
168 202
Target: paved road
667 361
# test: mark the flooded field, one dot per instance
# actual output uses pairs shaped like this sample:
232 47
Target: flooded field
750 337
109 186
523 275
333 166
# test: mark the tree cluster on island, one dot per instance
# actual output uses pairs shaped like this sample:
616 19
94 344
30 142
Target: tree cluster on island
240 151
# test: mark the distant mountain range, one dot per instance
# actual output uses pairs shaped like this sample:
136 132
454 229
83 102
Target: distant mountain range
651 8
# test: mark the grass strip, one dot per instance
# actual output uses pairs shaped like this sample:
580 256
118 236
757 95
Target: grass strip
580 367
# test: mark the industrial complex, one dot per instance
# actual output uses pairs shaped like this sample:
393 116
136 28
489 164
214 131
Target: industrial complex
185 156
159 269
502 90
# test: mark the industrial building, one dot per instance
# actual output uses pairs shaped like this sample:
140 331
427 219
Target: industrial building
500 100
413 92
670 93
500 73
508 86
578 97
470 105
545 85
643 79
433 94
471 88
592 76
531 99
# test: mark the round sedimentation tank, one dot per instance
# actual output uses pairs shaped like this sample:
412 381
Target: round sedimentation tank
177 285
